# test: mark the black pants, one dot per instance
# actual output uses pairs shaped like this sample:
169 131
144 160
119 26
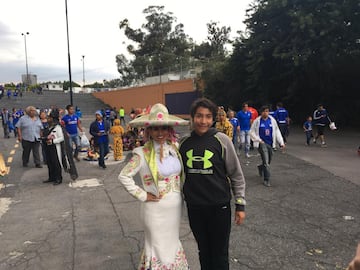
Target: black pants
27 147
53 163
284 130
6 130
211 227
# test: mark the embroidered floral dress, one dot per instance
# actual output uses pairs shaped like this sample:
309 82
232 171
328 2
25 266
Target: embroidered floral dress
162 247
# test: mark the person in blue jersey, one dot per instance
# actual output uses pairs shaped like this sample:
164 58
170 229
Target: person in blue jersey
78 112
212 169
321 119
236 126
282 118
107 114
307 126
244 117
99 129
72 124
16 114
265 133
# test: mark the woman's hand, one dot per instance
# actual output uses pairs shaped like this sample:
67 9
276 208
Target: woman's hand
355 263
152 198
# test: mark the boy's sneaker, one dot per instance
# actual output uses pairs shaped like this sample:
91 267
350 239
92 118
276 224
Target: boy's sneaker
314 141
266 183
323 144
247 155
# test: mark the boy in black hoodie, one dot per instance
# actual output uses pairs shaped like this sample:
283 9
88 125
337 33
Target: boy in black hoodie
211 169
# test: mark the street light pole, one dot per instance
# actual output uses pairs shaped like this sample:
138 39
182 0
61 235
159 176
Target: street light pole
68 47
26 60
83 70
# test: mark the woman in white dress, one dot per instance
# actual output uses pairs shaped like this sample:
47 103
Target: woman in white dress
160 168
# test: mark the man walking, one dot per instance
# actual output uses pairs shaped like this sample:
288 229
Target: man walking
72 124
281 115
29 129
211 169
321 119
5 118
99 129
265 133
244 117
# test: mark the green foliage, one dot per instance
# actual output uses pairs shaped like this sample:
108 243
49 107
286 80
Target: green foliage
66 85
300 52
155 47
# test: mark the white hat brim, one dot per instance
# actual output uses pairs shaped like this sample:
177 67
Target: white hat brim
171 120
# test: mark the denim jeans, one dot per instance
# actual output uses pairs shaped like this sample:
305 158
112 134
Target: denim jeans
309 135
74 138
104 150
266 153
245 139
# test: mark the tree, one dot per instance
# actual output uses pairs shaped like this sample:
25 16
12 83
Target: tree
66 85
155 48
213 54
301 52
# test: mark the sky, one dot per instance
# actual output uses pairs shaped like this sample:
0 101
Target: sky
93 32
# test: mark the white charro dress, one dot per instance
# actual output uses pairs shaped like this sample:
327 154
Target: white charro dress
162 247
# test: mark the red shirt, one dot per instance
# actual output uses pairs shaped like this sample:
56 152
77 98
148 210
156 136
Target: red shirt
254 113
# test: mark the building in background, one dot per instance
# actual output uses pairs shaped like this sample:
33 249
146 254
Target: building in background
32 79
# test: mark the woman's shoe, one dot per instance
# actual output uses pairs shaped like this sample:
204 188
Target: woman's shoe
48 181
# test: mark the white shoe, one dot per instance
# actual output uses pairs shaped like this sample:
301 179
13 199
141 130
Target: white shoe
247 155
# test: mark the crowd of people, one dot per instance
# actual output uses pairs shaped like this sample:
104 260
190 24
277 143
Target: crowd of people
202 168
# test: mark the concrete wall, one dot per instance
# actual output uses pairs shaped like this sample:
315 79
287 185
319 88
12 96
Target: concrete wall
143 96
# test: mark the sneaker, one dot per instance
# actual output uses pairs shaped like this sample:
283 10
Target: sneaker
266 183
38 166
247 155
314 141
260 170
323 144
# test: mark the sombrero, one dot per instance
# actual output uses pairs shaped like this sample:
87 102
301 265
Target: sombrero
158 116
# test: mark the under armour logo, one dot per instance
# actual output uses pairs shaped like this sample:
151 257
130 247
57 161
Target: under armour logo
207 155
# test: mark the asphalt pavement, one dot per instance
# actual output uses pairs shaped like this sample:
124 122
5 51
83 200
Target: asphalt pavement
308 219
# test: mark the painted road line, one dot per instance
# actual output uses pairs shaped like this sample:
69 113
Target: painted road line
4 205
92 182
9 160
12 152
